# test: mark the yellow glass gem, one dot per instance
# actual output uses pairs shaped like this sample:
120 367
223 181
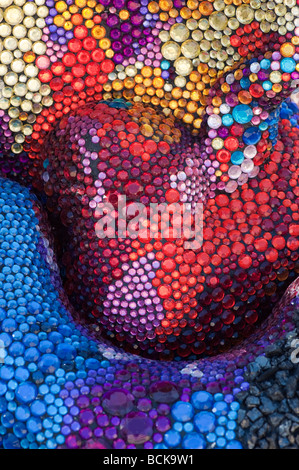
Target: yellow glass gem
196 14
109 53
98 32
146 71
59 20
171 50
153 7
87 13
29 57
192 4
185 13
66 15
117 85
179 32
218 21
245 14
195 76
73 9
195 95
188 118
197 123
139 89
173 13
68 25
16 148
147 82
99 8
277 88
165 5
190 49
15 125
192 107
105 43
206 8
158 82
13 15
275 77
217 143
89 24
183 66
124 15
164 16
80 3
287 49
61 6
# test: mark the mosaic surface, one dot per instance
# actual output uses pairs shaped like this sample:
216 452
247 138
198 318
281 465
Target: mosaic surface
146 342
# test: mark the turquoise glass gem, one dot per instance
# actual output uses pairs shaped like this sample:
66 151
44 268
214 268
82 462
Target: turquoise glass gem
265 64
165 65
288 65
242 114
227 120
267 85
237 158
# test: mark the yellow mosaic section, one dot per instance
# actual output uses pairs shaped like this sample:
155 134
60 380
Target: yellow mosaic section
199 49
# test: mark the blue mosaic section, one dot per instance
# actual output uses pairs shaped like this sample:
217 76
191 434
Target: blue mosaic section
58 389
209 421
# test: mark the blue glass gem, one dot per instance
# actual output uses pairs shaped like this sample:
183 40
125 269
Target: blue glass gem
172 438
11 442
193 440
66 352
26 392
252 136
202 400
220 408
34 308
234 445
205 421
245 83
182 411
49 363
